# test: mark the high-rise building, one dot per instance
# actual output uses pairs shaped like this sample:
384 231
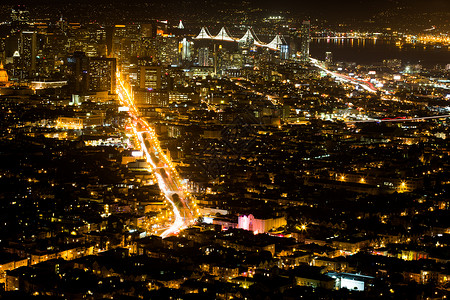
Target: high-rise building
150 77
102 74
294 42
28 51
180 25
284 52
17 70
148 30
203 57
78 72
121 40
167 50
148 48
185 49
305 39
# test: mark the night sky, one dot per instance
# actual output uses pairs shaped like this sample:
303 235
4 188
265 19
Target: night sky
329 8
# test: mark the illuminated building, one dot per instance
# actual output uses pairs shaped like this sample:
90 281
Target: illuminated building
80 122
180 25
352 282
150 77
28 51
146 97
305 39
284 51
293 42
148 30
182 97
4 79
69 123
125 40
260 225
185 49
167 49
102 74
203 57
38 85
315 280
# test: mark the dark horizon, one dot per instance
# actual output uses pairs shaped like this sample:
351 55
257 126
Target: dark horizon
327 8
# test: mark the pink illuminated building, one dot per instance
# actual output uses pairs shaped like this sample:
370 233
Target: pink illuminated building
259 225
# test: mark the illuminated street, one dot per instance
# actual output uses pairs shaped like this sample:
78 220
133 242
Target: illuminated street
168 179
224 150
359 82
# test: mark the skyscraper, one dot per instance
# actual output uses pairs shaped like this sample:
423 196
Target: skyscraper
148 30
284 51
28 51
294 42
203 57
78 69
305 38
102 74
180 25
167 49
185 49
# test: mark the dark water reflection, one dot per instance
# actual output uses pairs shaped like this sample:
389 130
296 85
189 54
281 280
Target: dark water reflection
369 51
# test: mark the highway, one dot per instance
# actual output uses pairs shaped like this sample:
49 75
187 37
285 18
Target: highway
364 84
399 119
160 165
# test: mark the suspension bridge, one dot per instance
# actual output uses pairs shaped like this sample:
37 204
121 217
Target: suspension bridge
249 38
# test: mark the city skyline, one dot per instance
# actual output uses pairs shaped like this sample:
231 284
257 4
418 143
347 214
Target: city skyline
225 150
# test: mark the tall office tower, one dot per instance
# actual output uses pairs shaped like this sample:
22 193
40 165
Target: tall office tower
119 41
185 50
17 65
150 77
148 30
148 48
305 39
102 74
329 57
167 47
203 57
78 69
100 35
284 52
28 51
293 43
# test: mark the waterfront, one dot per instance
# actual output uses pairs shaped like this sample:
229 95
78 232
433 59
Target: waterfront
373 51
